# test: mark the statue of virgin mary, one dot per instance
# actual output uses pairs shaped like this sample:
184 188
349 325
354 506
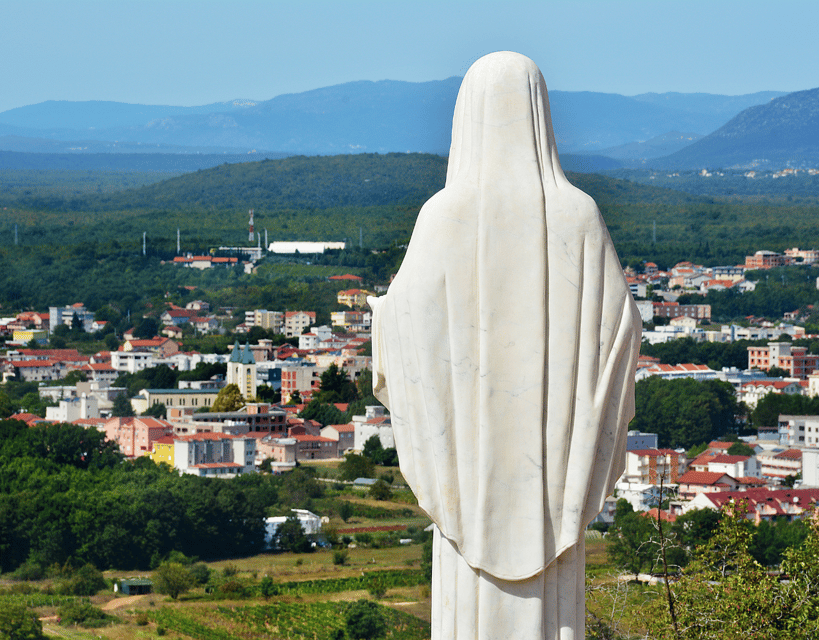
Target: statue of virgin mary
505 350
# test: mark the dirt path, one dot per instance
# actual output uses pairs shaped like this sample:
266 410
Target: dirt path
118 603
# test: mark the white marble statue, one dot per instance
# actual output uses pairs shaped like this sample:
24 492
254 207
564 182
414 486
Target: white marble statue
505 350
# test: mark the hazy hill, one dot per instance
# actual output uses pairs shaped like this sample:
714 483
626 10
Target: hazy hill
657 147
783 132
384 116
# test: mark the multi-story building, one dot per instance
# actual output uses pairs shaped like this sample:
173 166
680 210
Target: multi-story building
649 466
241 370
295 322
65 315
799 431
778 465
795 360
175 398
269 320
136 436
767 260
353 297
700 312
218 455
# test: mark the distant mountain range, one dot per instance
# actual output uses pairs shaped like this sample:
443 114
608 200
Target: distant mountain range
783 132
607 130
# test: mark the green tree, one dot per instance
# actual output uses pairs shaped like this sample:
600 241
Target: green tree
685 412
373 448
229 398
17 622
365 621
86 581
346 510
323 413
172 579
778 372
74 377
290 536
723 593
146 328
6 406
158 410
355 466
740 449
122 407
633 542
336 386
380 490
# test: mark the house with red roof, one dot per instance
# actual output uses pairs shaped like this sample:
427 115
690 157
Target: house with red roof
761 503
735 466
752 392
162 347
343 434
100 372
676 371
346 277
650 466
353 297
35 370
693 483
136 435
310 447
373 423
29 418
778 465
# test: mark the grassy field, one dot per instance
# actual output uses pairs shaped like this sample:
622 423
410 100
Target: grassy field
318 608
315 615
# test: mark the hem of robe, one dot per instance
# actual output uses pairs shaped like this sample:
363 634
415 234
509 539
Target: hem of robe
471 604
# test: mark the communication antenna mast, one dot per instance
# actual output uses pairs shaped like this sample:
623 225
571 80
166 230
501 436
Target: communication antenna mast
250 235
143 242
177 241
15 234
266 244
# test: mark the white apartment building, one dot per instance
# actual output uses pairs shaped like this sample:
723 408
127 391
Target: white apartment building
217 455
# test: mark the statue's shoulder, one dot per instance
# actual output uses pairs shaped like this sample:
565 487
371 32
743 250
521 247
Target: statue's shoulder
572 210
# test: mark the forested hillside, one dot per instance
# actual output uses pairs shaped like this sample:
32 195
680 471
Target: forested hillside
89 246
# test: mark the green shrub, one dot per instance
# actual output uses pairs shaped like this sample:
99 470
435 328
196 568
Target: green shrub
200 573
83 614
28 571
340 557
86 581
365 621
17 622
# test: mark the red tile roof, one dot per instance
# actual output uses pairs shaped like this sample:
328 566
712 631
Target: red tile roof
726 459
703 477
664 515
654 452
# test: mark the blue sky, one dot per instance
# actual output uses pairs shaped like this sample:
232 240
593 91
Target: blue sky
183 52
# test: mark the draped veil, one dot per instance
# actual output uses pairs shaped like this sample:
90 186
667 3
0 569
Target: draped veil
506 345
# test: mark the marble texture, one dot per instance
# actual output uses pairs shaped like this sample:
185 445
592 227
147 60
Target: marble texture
505 350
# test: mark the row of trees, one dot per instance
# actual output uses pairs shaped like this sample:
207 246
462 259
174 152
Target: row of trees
67 496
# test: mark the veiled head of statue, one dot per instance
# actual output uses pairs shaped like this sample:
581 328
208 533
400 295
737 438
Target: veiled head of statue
501 117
